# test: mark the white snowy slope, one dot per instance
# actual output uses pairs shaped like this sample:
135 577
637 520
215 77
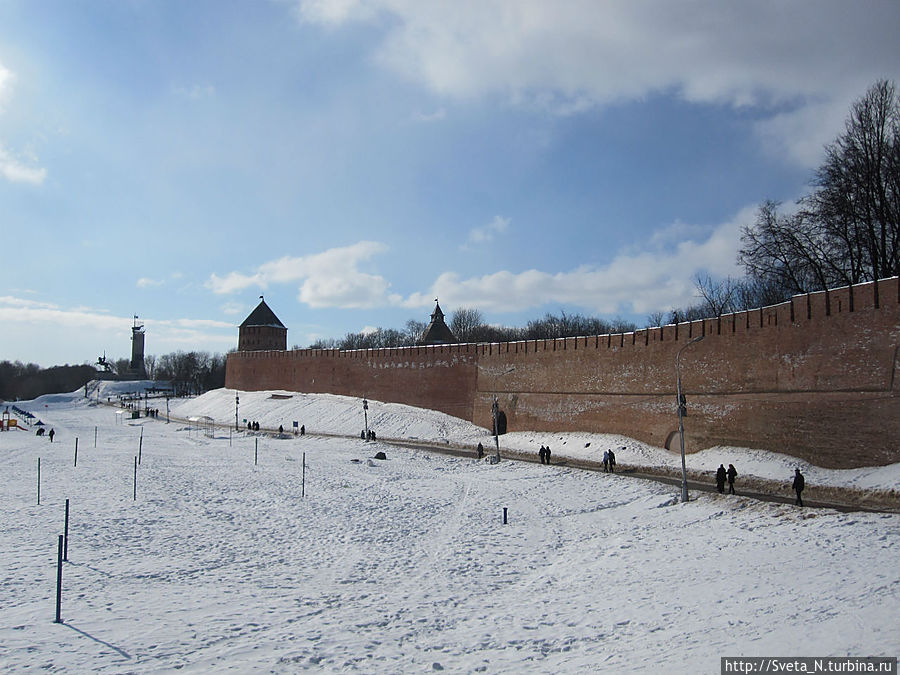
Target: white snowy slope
330 414
403 565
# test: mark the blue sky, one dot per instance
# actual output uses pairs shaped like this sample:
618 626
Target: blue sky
353 160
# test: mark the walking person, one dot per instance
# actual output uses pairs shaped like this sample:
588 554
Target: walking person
52 434
542 454
732 474
612 462
605 461
480 450
798 485
547 454
721 475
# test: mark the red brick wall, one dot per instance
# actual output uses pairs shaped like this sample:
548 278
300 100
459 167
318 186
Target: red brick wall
441 377
813 377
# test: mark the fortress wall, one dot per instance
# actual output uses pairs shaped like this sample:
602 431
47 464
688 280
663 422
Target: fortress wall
813 377
439 377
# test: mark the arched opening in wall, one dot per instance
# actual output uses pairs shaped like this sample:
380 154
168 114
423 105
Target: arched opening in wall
672 441
501 423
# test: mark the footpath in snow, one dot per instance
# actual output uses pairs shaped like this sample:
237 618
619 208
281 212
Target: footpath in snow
246 553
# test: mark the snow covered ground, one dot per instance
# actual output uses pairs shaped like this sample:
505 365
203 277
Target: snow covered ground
405 565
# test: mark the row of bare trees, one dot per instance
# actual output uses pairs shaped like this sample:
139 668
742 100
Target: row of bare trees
847 229
468 325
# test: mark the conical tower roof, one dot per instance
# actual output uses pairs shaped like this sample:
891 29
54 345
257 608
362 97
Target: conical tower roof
262 316
437 332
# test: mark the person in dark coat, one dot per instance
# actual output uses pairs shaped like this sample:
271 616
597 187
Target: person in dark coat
542 454
480 451
721 475
280 429
606 461
302 429
732 474
798 485
612 462
547 454
52 434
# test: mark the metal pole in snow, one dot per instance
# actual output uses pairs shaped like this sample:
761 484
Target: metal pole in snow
134 497
141 445
39 481
59 559
303 482
504 515
66 541
95 437
76 451
255 451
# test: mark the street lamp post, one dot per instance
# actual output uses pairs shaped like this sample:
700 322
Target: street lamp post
366 416
682 409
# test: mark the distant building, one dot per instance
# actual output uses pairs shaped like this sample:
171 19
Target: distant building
136 368
262 330
437 333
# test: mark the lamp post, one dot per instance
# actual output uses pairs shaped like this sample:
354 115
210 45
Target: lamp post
366 416
682 409
236 402
495 413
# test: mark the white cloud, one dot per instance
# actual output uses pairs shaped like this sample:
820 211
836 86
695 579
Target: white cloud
16 172
13 168
485 234
145 282
195 92
572 55
6 78
659 277
435 116
328 279
12 301
231 308
28 323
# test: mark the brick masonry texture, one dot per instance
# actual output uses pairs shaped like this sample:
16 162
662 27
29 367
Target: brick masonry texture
813 377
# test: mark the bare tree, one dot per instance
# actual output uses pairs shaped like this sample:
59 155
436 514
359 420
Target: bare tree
655 319
847 230
465 322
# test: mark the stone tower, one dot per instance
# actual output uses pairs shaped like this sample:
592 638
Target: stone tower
136 368
262 331
437 333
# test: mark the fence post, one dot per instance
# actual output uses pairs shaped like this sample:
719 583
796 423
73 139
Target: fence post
39 482
66 540
59 557
255 451
95 437
141 445
303 482
76 451
134 497
504 515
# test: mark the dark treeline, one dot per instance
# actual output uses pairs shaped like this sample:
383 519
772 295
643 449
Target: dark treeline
26 381
468 325
187 373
